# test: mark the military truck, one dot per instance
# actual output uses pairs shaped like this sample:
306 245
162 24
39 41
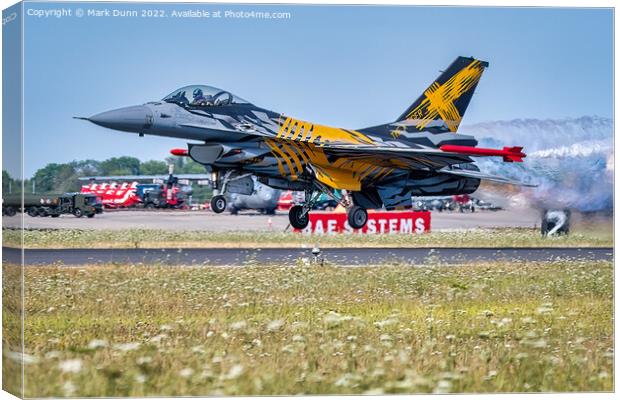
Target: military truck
78 204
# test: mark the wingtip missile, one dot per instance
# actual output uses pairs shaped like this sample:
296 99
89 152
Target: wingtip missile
513 154
509 154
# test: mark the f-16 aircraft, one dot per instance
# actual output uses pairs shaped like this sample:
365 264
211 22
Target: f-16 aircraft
420 153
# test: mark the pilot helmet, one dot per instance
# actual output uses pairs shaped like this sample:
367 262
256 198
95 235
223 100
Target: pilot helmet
197 92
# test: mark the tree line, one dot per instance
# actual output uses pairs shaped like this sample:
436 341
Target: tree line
62 178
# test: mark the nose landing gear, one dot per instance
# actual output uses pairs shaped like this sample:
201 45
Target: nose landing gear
218 204
230 182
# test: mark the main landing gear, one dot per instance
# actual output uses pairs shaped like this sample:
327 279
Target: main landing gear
357 217
299 216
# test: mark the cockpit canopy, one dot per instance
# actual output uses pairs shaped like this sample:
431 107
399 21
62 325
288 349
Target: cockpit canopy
202 96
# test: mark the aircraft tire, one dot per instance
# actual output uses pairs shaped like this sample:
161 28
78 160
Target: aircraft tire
295 218
218 204
357 217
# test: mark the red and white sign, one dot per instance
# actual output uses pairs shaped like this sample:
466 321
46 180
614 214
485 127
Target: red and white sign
379 222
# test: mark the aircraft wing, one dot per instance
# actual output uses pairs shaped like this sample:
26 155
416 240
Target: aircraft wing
397 156
510 154
444 155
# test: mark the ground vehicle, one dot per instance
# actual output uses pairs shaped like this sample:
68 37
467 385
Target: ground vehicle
285 202
78 204
124 195
464 203
162 196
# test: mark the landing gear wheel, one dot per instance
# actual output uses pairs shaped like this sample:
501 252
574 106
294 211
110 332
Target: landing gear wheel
218 204
296 219
357 217
78 213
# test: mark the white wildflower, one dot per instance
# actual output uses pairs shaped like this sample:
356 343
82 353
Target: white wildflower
198 349
127 346
443 386
53 354
237 326
186 373
144 360
97 343
275 325
22 357
235 372
71 366
386 322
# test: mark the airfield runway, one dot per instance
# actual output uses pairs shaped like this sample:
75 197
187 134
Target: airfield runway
252 221
289 256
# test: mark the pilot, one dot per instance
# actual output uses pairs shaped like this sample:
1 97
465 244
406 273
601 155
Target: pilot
200 99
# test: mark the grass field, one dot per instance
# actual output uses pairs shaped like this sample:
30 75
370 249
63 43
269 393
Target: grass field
145 238
128 330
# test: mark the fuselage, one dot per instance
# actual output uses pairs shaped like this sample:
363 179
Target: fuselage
276 146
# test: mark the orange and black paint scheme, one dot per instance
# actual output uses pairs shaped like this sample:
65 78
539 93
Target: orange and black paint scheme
421 153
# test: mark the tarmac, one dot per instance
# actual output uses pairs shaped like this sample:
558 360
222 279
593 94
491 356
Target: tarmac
252 221
290 256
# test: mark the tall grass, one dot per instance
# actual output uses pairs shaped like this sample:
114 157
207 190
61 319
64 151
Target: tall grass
148 238
125 330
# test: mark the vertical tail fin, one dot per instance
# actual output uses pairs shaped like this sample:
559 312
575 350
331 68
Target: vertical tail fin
446 99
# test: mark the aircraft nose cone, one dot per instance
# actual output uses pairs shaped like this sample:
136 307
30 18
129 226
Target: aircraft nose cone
129 119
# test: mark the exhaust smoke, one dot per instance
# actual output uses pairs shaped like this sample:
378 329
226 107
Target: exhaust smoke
571 160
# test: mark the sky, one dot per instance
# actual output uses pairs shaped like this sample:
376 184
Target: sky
345 66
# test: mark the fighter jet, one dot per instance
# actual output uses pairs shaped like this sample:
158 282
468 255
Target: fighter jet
420 153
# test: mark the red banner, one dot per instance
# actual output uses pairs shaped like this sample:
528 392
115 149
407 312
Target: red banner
379 222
